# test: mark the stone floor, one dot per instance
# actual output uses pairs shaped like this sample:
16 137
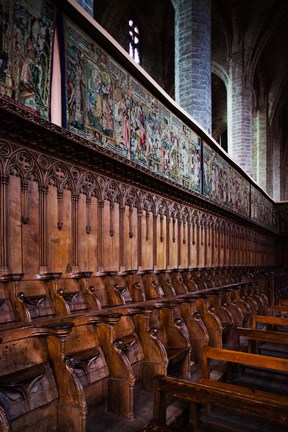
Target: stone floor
101 421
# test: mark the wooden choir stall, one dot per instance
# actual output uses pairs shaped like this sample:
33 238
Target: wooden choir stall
131 246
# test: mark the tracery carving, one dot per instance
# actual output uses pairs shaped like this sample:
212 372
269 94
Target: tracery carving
5 149
131 199
111 193
59 176
23 165
87 185
43 162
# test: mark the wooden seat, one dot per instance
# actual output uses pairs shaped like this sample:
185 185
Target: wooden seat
172 332
117 289
152 286
125 357
169 286
82 360
218 320
81 372
28 392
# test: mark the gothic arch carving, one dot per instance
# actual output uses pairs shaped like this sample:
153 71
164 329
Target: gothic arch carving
23 164
6 149
59 176
161 206
131 197
111 192
87 184
148 202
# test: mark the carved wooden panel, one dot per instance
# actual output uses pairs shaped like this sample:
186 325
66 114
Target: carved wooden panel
66 219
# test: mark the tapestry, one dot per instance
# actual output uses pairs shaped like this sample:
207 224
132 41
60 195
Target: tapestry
26 35
98 105
223 184
138 123
109 107
185 155
262 209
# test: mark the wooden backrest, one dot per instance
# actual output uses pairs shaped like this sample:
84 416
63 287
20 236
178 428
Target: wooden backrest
239 357
268 320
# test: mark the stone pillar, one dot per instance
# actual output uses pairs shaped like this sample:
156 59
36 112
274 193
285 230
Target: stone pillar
278 166
193 59
260 144
240 118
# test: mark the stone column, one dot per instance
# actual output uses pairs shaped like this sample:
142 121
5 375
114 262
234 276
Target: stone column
193 59
240 117
279 166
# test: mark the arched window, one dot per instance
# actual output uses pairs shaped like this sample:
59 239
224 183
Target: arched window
134 41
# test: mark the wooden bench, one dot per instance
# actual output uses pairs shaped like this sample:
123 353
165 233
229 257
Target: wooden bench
269 321
243 400
278 310
265 341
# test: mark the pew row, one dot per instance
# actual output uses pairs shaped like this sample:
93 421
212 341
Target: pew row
270 406
266 320
260 341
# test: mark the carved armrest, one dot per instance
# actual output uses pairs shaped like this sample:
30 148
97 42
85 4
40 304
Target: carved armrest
82 360
125 344
158 288
179 322
32 302
124 292
154 332
68 296
138 293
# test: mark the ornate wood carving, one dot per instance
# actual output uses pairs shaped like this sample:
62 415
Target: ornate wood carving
4 268
196 229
